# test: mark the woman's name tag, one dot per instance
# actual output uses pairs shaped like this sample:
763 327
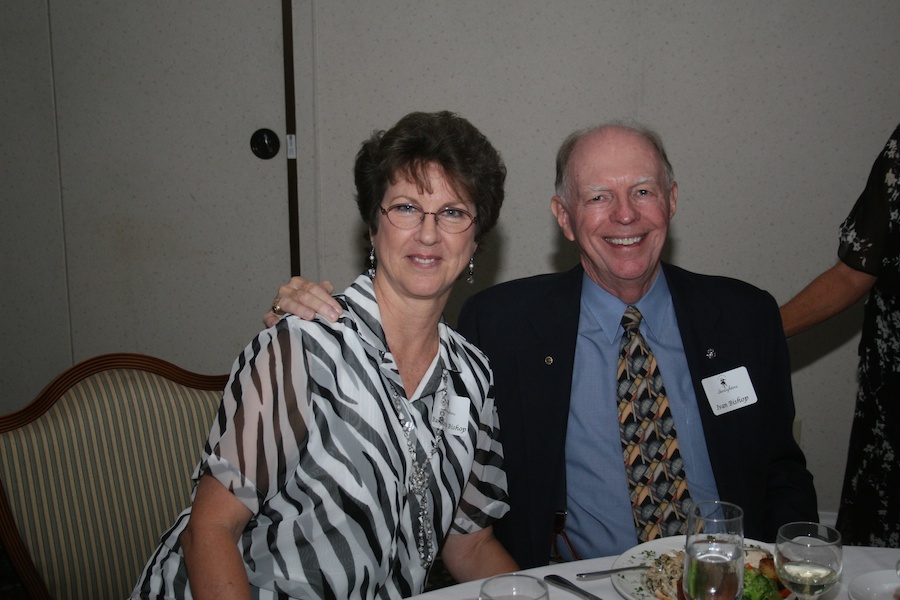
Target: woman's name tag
456 419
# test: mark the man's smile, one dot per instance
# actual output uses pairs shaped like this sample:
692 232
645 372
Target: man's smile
629 241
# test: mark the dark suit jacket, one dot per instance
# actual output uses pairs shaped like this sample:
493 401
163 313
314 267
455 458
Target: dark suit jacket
528 329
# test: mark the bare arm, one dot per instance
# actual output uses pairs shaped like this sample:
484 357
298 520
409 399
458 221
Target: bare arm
305 299
214 564
476 555
828 294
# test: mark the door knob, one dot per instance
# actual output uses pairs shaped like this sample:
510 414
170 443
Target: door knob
264 143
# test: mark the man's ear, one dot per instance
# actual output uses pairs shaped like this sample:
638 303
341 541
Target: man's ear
673 200
561 212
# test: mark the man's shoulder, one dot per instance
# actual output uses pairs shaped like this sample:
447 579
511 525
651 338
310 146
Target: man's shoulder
525 289
516 286
549 301
684 282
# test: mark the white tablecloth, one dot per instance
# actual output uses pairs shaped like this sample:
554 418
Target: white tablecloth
857 561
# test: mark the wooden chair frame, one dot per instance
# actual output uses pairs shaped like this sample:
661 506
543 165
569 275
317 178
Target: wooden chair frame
9 534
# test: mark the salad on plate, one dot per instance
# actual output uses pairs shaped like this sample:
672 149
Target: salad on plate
664 578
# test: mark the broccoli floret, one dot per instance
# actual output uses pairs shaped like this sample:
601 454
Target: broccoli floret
759 587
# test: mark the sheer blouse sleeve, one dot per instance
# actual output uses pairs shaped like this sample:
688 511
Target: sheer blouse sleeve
484 498
260 429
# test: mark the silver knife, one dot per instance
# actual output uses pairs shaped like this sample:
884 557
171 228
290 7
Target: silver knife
568 585
608 572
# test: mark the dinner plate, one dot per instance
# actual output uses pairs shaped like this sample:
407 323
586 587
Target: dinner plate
630 584
880 585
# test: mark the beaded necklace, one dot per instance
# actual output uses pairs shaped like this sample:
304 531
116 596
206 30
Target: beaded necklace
418 481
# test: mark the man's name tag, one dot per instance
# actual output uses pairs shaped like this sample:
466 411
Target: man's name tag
729 391
456 419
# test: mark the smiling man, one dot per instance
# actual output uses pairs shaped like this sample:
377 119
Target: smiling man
615 200
555 344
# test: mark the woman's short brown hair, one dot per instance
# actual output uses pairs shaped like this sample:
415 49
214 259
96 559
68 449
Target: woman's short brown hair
472 166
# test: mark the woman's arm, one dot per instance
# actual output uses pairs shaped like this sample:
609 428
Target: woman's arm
214 564
828 294
476 555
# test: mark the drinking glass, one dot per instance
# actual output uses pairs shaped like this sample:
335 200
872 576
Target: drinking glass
514 586
808 558
714 552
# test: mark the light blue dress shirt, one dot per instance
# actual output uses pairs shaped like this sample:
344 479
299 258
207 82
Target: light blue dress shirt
600 520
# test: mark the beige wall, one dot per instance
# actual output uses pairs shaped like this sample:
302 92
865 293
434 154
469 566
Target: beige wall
135 217
35 333
772 113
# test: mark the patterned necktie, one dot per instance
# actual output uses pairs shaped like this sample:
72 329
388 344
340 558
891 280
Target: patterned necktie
659 495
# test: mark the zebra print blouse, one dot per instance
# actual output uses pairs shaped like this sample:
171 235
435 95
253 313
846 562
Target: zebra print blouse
308 438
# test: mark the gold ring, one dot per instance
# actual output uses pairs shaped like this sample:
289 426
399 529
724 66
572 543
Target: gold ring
276 307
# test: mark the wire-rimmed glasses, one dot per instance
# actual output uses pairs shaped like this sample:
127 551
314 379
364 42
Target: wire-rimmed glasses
410 216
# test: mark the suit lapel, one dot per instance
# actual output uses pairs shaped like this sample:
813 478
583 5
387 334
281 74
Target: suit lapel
698 314
555 326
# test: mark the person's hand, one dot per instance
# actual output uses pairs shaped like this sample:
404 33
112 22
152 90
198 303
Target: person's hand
305 299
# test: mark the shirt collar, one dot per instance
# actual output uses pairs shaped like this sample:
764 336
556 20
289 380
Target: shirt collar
362 314
608 309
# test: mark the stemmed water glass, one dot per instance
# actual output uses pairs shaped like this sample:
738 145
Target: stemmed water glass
808 558
714 552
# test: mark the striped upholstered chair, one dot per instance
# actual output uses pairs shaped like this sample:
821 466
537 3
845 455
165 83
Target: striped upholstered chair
96 468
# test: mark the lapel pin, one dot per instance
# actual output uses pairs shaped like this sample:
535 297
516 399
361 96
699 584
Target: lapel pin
548 360
711 353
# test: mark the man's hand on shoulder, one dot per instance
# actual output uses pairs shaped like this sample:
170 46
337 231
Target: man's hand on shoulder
303 298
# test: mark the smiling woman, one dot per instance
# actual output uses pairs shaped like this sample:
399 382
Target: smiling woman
343 452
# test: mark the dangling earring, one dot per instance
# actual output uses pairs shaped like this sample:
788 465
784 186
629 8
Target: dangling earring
371 271
471 277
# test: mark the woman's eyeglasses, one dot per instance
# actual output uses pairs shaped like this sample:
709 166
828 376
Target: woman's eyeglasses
408 216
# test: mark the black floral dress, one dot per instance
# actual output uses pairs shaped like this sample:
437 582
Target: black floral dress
870 242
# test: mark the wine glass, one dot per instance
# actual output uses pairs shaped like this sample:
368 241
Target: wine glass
714 552
808 558
514 586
